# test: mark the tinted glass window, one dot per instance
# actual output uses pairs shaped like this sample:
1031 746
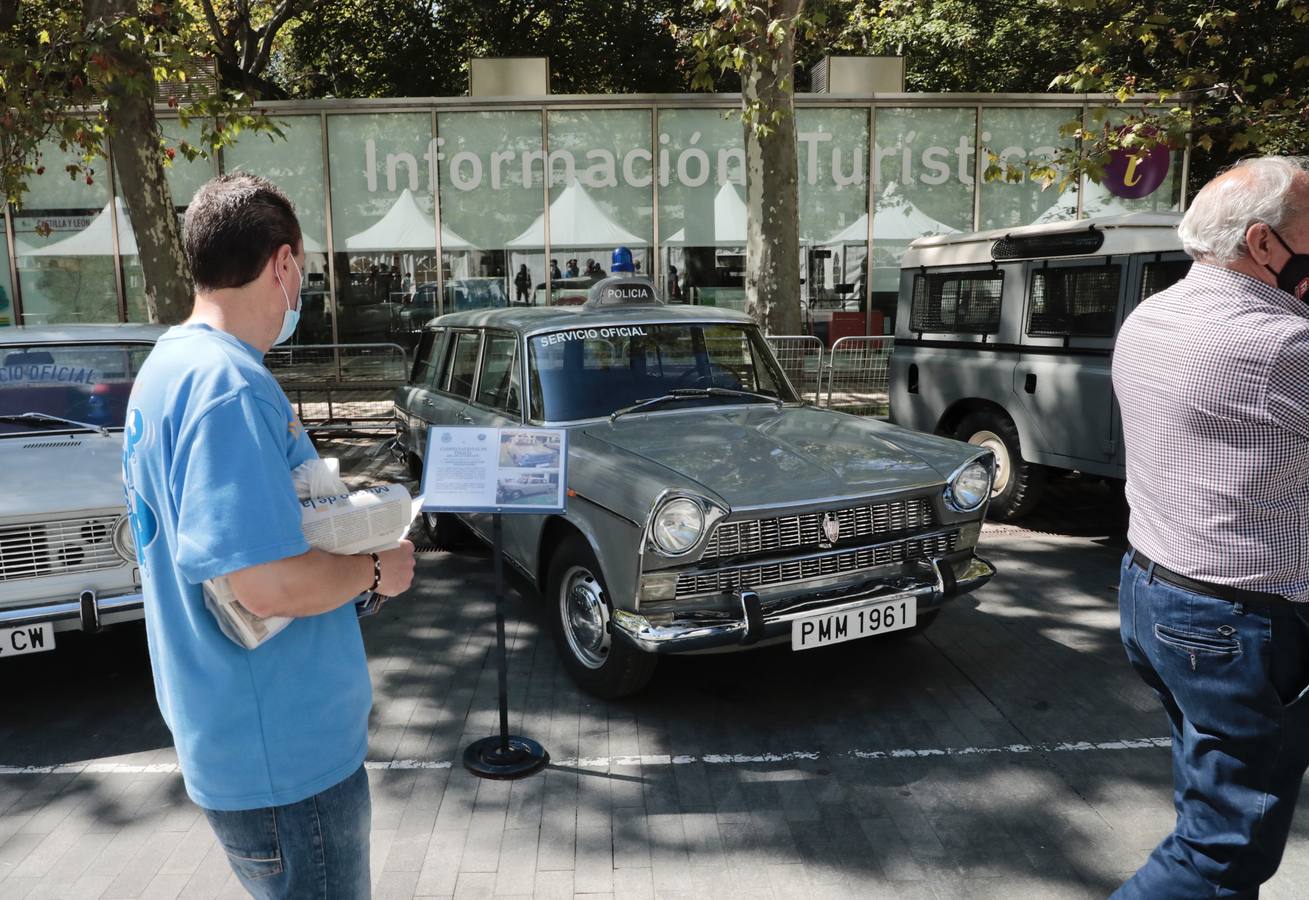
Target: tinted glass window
461 365
957 301
1157 276
1074 302
88 383
498 386
586 373
427 357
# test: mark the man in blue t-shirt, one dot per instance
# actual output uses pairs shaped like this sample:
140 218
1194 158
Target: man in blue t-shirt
270 741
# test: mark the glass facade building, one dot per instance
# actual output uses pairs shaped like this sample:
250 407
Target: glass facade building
414 207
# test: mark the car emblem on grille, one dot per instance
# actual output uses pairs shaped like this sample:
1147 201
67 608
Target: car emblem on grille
831 527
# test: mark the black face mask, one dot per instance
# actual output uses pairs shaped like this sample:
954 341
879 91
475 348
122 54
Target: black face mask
1294 277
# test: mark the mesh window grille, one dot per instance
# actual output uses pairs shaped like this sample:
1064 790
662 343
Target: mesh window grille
957 302
1160 275
1074 302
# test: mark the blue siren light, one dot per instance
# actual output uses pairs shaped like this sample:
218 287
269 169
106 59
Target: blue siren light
622 261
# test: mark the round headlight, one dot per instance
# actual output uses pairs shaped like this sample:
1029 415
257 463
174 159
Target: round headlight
123 542
971 486
677 525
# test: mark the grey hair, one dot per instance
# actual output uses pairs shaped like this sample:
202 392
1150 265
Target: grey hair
1258 189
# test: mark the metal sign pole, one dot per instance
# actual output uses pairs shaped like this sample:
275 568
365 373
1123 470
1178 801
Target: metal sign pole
503 756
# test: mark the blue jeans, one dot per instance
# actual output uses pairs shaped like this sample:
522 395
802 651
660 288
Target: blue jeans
1233 680
312 850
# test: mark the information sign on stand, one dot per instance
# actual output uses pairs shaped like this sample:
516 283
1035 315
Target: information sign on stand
498 471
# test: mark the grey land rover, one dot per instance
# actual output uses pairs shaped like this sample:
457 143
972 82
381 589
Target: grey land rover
709 509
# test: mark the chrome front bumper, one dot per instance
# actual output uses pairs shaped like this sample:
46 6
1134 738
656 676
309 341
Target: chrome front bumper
87 613
953 575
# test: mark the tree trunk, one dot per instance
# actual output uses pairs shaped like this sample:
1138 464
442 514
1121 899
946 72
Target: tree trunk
772 241
141 181
138 160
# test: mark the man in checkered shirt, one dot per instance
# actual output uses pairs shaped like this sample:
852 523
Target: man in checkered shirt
1212 376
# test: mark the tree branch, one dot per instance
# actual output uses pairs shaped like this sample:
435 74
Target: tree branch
281 15
8 13
215 27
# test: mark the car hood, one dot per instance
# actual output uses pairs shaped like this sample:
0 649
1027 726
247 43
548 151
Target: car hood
53 473
764 456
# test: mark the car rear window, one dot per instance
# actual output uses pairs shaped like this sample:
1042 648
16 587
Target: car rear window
957 302
461 365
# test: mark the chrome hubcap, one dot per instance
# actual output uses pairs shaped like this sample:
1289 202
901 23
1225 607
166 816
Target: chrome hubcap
585 617
992 441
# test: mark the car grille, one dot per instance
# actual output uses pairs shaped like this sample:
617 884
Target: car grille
838 563
788 533
39 549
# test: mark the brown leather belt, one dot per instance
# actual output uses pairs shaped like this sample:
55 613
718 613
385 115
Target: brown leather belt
1208 589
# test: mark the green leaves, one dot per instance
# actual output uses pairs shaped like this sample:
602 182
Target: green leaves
64 74
1235 76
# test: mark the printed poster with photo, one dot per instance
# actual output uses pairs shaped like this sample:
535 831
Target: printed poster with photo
498 470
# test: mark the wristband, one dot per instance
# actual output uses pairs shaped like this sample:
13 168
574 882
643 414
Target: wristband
377 572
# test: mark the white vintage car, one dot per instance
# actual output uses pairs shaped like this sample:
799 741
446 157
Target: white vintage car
67 560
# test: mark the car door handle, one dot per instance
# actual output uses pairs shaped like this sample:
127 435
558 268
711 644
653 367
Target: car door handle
427 401
1029 383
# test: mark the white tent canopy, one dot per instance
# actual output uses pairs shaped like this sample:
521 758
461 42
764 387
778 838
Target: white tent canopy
854 233
895 219
97 238
729 221
405 227
576 221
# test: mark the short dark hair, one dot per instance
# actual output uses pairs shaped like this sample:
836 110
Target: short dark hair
234 225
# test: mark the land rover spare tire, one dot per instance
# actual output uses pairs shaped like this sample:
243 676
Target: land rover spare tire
1018 484
579 609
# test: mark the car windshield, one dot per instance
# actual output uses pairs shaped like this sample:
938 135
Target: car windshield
585 373
87 383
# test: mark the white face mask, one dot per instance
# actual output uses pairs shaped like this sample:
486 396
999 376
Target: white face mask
291 315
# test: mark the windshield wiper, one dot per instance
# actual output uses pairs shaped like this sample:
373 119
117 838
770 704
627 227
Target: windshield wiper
38 418
690 394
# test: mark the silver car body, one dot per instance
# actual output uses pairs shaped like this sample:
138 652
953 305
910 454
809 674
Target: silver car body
64 559
1051 379
767 475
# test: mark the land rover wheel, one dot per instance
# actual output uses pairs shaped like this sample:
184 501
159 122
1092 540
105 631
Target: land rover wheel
579 610
1018 484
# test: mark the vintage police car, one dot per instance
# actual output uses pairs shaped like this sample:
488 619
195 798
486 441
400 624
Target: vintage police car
67 561
709 509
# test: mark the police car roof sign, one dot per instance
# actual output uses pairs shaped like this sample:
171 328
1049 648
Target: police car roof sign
622 291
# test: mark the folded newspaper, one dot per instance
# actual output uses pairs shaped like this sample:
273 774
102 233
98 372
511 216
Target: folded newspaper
333 518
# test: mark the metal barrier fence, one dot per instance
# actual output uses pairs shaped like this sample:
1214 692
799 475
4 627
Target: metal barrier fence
341 387
801 357
857 375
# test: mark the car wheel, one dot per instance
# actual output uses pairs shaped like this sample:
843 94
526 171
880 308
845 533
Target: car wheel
1018 484
442 530
579 610
446 532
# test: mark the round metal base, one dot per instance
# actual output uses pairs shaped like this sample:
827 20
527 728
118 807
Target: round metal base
485 759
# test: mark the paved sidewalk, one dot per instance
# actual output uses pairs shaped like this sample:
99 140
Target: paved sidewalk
1007 753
